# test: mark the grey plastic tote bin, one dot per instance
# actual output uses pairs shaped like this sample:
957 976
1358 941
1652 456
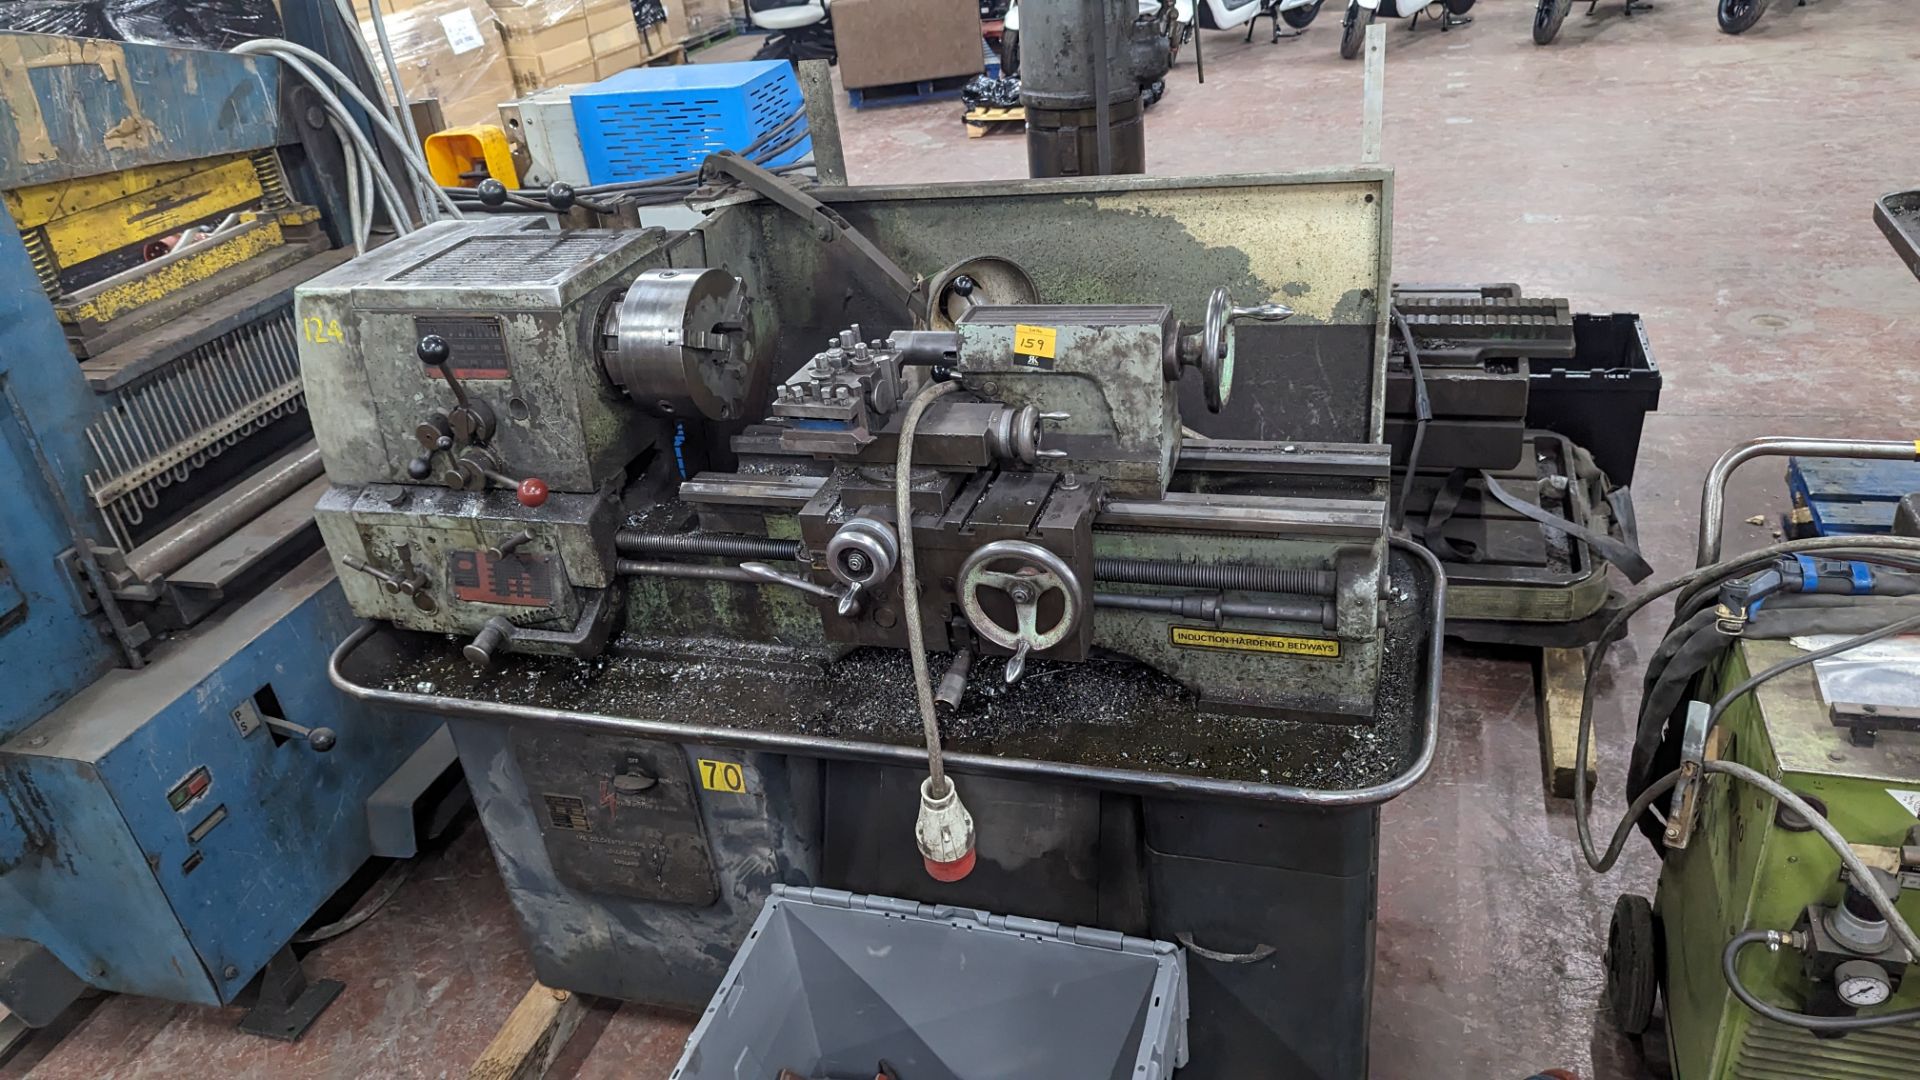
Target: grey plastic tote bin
830 984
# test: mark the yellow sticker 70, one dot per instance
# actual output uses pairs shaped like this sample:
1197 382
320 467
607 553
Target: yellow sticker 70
722 776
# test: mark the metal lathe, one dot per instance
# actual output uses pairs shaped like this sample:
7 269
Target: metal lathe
869 539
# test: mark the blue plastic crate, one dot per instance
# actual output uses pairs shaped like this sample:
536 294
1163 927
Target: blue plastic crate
646 123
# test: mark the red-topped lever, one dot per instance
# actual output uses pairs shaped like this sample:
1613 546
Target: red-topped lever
532 492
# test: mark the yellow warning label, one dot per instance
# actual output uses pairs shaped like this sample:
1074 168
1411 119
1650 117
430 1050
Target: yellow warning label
722 776
1206 637
1034 340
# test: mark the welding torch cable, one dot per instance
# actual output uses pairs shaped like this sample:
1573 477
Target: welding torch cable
910 581
1705 595
288 52
1617 627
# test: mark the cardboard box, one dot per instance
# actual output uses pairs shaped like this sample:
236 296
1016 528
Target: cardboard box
707 18
608 16
618 62
608 29
519 17
363 10
452 51
901 41
594 39
559 53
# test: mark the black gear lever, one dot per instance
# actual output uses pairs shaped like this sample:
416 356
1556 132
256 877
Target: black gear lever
472 420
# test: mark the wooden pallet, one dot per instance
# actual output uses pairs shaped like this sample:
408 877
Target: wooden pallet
718 33
982 121
669 57
909 93
1847 496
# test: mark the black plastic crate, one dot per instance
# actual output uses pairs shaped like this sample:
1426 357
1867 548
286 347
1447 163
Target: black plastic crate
1600 399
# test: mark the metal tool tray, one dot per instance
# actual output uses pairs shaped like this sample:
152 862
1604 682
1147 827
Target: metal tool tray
1898 215
845 711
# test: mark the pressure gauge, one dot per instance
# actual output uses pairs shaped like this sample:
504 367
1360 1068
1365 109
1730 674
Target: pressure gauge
1862 983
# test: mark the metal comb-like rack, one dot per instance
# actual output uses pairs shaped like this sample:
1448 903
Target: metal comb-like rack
163 429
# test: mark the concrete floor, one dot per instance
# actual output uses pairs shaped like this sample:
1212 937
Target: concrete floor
1720 186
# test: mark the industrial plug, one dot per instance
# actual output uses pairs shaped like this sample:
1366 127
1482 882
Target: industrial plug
944 831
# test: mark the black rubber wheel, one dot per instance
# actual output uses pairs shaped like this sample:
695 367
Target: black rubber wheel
1302 17
1547 19
1459 7
1010 52
1633 965
1353 32
1738 16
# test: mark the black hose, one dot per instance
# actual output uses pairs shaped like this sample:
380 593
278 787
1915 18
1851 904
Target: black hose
1625 828
726 547
1245 576
1729 968
1422 413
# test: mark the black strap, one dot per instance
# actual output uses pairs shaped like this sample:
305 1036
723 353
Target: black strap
1618 552
1446 502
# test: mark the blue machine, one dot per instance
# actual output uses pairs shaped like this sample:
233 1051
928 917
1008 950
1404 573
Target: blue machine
180 786
647 123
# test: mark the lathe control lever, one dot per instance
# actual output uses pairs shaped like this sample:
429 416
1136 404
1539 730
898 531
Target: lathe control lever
771 576
472 420
413 583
